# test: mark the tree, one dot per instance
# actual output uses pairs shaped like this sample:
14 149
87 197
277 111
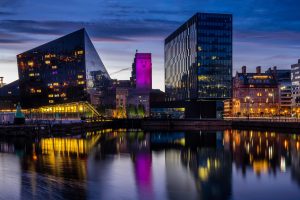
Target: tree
131 111
141 111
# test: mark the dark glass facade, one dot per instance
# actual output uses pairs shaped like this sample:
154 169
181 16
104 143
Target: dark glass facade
65 70
198 59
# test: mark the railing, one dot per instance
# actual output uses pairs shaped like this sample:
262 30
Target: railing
265 119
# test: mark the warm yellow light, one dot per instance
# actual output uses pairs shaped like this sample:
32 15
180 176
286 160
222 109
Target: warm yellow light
30 63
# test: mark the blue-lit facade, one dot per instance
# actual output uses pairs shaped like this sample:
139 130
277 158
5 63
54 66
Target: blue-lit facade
198 59
65 70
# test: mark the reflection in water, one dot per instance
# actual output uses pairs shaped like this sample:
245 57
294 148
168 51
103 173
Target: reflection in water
133 164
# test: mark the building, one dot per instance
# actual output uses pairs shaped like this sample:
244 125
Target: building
132 97
63 71
198 59
283 77
295 76
141 75
9 96
255 94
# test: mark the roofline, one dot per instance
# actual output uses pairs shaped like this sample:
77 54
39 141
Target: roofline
82 29
187 23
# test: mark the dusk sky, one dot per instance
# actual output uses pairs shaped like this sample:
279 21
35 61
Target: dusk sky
266 32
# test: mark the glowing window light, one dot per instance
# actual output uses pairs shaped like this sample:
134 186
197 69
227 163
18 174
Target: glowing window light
51 101
47 62
30 63
80 52
54 67
80 76
38 90
32 90
50 95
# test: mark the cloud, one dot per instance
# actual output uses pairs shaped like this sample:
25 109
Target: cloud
113 30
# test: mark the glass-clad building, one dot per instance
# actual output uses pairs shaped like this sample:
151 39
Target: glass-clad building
65 70
198 59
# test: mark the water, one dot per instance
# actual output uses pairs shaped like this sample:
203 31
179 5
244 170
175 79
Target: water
132 164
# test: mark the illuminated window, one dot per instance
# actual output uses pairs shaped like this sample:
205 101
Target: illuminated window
80 52
32 90
80 82
56 95
47 56
38 90
63 95
54 67
30 63
55 84
80 76
50 95
47 62
51 101
31 74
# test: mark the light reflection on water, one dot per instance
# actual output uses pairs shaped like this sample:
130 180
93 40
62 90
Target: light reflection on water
132 164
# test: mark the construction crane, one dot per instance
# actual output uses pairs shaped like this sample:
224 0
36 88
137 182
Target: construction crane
125 69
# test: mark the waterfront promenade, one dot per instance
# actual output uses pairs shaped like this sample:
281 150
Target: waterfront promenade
48 128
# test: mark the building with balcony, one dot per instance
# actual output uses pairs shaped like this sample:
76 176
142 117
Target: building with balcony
255 94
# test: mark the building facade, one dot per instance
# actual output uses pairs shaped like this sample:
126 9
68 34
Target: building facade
65 70
198 59
255 94
295 76
141 75
283 77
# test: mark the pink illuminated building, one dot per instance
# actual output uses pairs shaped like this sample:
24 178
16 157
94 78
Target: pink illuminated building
142 71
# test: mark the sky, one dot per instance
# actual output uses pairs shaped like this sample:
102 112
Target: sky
265 32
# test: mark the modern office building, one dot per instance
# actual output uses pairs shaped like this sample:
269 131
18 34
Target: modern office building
255 94
65 70
295 76
198 59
